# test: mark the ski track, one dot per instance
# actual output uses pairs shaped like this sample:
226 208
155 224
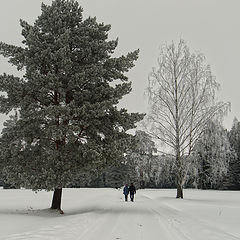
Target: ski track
177 222
145 219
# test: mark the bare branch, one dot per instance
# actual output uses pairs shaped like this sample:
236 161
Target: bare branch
182 98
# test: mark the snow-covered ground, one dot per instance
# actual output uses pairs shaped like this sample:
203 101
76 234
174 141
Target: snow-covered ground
102 214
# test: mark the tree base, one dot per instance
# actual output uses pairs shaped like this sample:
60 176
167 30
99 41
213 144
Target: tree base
179 192
61 211
57 210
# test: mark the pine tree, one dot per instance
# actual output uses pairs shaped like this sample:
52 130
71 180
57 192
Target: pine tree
67 100
232 181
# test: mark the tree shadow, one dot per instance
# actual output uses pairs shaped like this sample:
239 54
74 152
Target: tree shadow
50 213
116 210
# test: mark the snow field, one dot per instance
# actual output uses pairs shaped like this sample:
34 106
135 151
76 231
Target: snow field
92 214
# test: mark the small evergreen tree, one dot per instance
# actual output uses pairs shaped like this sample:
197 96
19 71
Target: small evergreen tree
68 119
232 181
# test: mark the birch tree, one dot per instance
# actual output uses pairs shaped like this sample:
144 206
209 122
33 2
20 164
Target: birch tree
182 98
213 155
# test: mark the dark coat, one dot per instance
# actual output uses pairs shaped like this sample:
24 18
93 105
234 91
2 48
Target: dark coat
125 190
132 190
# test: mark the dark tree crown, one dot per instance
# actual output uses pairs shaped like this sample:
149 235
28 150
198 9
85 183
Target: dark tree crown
67 100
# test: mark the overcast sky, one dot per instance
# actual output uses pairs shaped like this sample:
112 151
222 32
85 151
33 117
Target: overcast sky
211 27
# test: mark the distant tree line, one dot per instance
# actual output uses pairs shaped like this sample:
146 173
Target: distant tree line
214 163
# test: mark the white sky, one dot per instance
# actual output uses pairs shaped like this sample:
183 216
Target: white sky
209 26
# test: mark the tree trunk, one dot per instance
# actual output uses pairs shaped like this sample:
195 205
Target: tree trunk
57 198
180 178
179 191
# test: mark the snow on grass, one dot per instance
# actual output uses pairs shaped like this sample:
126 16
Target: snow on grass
92 214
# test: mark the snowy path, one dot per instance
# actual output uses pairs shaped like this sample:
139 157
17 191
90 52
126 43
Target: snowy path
92 214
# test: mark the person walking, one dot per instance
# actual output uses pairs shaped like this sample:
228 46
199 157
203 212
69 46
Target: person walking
126 192
132 191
